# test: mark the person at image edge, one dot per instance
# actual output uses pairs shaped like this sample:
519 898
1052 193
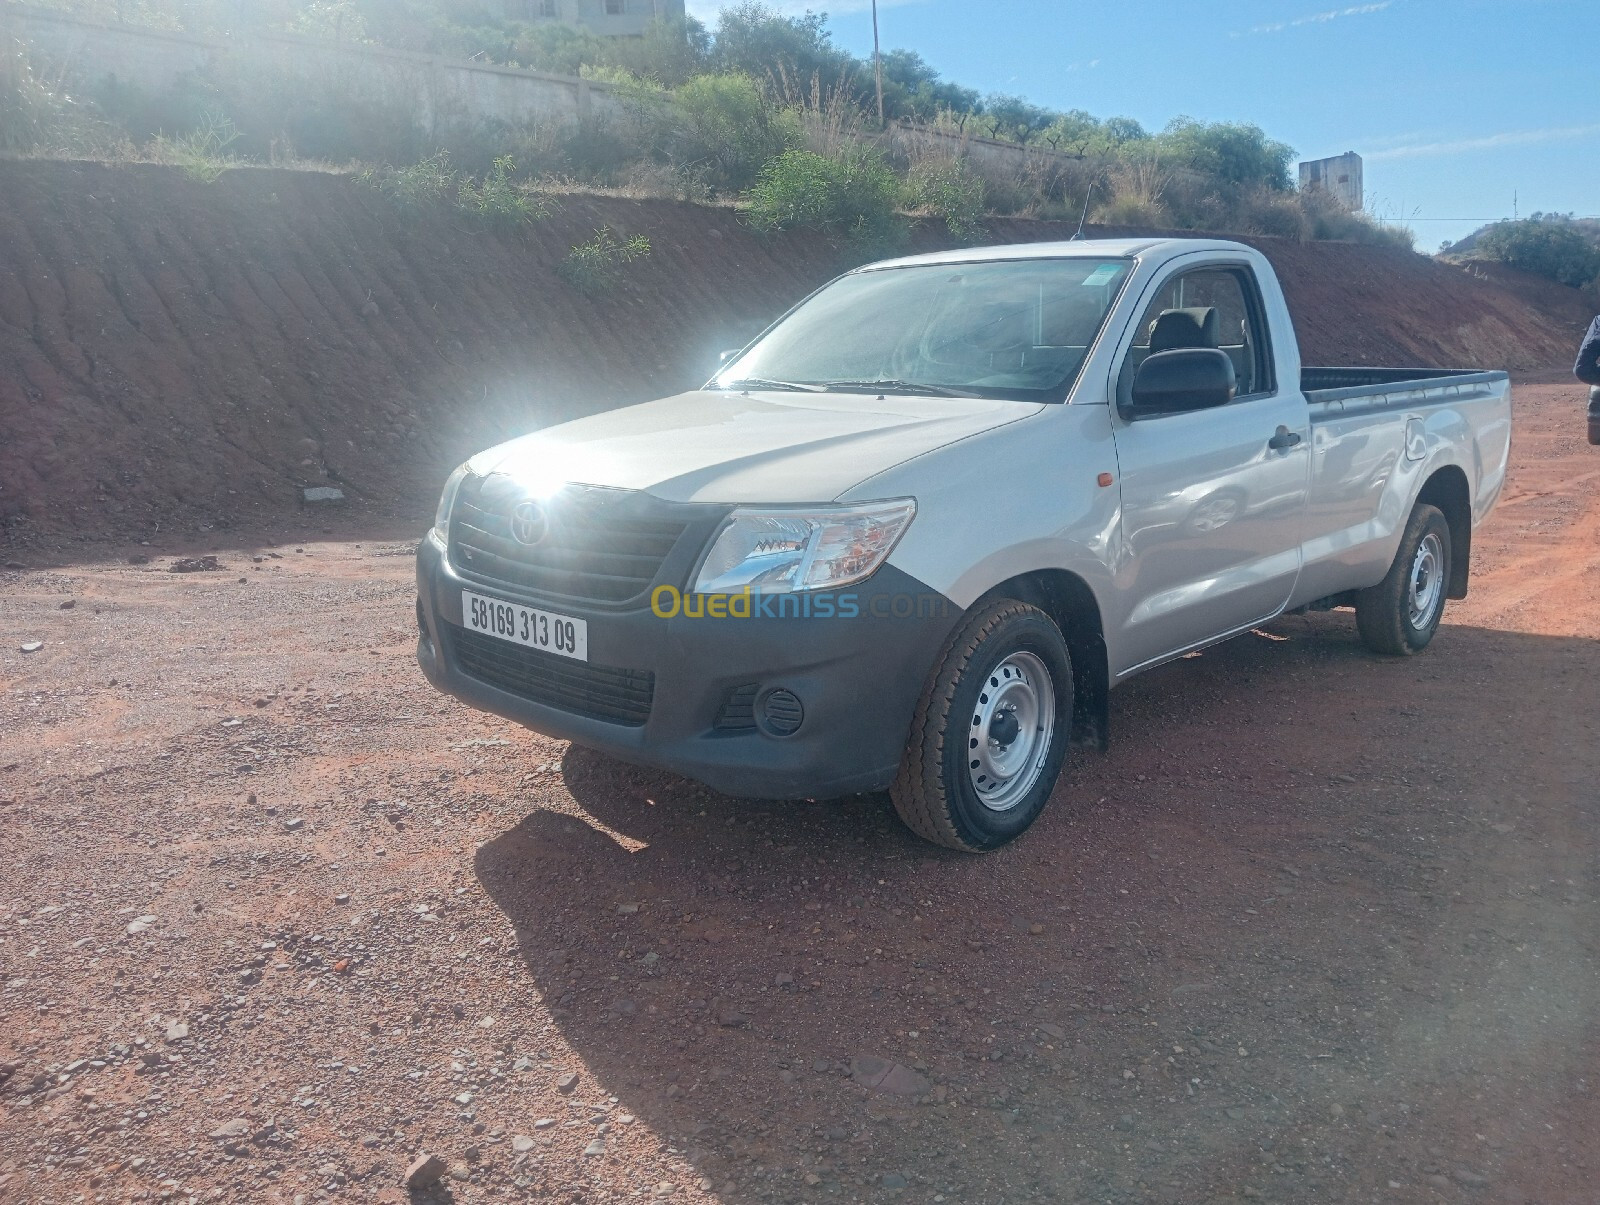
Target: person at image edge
1587 370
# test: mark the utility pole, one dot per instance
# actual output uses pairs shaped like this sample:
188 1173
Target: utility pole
877 62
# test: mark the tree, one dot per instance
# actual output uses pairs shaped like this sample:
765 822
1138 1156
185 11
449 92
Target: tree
1013 118
1233 152
753 39
914 91
671 52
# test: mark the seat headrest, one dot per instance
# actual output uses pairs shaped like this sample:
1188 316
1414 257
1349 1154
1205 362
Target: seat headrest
1195 327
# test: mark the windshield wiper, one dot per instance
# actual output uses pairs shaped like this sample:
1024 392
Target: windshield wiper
765 383
892 387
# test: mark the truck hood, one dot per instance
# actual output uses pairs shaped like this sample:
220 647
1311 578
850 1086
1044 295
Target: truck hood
746 447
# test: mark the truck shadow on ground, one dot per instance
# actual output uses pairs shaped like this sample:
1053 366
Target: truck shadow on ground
804 999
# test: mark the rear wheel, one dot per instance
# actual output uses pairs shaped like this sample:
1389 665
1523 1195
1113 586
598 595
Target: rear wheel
1401 613
991 730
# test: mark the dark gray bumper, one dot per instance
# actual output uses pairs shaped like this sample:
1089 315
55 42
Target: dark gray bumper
857 677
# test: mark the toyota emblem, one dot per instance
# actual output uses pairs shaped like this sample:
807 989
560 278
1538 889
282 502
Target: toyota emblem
528 523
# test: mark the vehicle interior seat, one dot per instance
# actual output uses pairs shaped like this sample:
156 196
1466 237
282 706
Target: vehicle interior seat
1174 329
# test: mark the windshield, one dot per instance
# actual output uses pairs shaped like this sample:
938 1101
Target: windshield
1012 329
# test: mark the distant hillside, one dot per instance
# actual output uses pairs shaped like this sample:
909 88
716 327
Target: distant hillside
1589 227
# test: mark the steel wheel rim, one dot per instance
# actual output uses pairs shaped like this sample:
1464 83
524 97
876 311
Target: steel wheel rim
1427 581
1012 726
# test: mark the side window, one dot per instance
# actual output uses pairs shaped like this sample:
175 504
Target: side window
1209 307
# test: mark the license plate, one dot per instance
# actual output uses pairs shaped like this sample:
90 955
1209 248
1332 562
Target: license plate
562 635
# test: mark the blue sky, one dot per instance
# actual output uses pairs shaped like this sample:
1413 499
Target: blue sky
1457 106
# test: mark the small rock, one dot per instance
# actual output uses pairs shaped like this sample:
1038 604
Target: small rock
893 1180
138 558
732 1019
783 979
882 1075
627 909
177 1031
194 564
341 898
69 604
544 1123
294 824
33 646
522 1143
1035 930
17 565
425 1171
566 1083
230 1131
597 1147
323 494
1470 1178
139 924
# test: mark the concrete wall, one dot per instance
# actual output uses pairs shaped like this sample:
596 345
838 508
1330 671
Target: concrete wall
437 91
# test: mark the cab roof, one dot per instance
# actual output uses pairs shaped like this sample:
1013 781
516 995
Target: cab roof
1100 248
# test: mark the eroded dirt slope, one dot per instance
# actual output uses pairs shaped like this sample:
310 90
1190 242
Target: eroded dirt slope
179 355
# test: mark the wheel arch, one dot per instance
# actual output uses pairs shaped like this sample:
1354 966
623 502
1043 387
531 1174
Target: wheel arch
1070 601
1447 489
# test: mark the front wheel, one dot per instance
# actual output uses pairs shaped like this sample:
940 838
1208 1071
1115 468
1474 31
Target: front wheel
1401 613
990 732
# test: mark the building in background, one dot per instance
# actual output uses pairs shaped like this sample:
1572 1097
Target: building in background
616 18
1339 176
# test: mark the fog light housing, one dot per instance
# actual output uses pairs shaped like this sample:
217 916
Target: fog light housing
782 713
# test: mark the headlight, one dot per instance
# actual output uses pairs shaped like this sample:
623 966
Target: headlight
784 551
447 500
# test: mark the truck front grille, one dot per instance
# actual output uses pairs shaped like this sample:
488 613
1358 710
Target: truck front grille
592 544
617 696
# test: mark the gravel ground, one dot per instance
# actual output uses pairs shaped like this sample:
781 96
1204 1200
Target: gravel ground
277 921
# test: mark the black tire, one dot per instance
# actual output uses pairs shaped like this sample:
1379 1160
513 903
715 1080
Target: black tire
1594 416
934 791
1385 615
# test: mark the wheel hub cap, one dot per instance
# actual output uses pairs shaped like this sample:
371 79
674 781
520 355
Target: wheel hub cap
1013 724
1427 581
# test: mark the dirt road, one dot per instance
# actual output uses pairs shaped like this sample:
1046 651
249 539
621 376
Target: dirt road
275 918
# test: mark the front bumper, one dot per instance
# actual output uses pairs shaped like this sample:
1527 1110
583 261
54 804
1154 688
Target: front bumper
858 677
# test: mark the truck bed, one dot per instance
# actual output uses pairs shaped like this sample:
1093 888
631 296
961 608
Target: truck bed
1337 384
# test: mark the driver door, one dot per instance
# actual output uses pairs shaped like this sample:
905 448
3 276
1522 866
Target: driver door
1211 512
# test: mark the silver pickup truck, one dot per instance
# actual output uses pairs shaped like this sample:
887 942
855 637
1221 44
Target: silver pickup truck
912 535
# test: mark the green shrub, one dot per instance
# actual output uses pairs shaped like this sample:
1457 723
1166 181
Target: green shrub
851 197
202 154
948 189
499 198
426 183
39 116
1547 247
596 266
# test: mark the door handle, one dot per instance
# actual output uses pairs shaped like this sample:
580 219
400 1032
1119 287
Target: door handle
1285 438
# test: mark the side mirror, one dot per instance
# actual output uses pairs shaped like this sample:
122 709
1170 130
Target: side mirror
1181 381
